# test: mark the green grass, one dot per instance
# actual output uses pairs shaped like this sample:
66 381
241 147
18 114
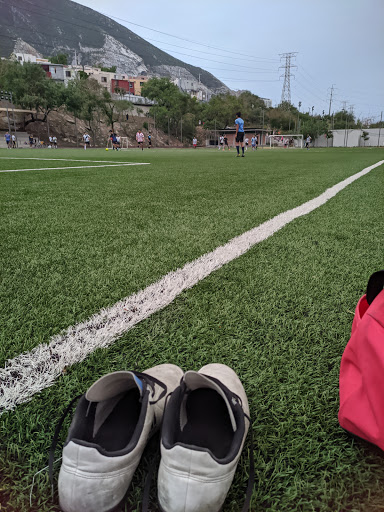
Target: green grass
73 241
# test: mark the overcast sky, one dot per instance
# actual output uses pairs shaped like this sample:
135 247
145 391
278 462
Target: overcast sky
339 42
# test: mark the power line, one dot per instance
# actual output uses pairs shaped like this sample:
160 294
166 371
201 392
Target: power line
193 56
206 53
182 38
138 37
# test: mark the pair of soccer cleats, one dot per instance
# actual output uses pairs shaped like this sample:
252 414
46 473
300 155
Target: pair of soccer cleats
204 419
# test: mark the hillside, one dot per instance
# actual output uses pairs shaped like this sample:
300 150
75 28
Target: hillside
47 27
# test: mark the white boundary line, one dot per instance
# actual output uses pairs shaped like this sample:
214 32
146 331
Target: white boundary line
59 159
38 369
75 167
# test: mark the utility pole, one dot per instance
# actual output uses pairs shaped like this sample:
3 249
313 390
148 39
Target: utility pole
344 109
181 129
330 98
312 110
168 131
298 118
351 113
286 93
215 132
154 117
381 120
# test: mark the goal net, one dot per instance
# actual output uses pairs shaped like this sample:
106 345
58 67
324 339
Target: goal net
285 141
124 144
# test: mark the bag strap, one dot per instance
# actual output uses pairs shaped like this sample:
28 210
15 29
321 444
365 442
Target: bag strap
375 285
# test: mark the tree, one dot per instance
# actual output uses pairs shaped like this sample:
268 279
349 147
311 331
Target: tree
60 58
171 104
365 136
112 69
113 108
343 119
31 89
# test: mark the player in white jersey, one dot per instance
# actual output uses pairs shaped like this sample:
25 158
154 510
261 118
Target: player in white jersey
86 139
221 142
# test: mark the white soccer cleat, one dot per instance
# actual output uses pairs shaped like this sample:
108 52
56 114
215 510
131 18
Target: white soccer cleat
202 437
109 431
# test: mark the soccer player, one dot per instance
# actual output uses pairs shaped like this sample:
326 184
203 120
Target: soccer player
239 134
114 141
149 141
14 141
140 139
246 143
308 141
226 144
253 143
194 142
54 140
30 138
8 139
221 142
86 139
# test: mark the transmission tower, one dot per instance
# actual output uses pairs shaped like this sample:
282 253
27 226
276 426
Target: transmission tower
286 94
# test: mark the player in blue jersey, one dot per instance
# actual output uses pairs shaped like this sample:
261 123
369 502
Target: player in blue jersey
239 134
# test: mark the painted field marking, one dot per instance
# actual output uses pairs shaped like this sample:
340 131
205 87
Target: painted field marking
76 167
58 159
38 369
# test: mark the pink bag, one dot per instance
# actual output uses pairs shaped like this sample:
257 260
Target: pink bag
362 368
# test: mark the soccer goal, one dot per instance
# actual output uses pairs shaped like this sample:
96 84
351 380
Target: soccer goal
286 141
124 144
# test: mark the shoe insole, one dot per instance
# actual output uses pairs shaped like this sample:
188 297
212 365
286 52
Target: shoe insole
208 422
117 430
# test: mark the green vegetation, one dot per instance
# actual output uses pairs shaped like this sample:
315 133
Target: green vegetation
31 89
74 241
172 106
60 58
85 99
175 112
112 69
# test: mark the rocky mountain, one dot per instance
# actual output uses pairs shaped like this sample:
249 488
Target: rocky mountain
48 27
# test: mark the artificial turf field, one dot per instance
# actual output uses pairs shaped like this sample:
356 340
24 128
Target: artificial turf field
75 240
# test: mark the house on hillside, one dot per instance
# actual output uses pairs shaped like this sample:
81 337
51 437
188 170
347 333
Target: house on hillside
138 82
193 87
58 72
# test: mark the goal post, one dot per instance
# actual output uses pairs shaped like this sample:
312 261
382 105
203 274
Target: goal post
286 141
124 143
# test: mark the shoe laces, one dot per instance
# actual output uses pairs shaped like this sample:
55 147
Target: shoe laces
148 379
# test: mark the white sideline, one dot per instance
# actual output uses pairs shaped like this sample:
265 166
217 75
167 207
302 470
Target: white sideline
33 371
59 159
75 167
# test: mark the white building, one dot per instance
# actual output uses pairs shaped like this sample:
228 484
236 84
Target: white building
267 102
193 87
